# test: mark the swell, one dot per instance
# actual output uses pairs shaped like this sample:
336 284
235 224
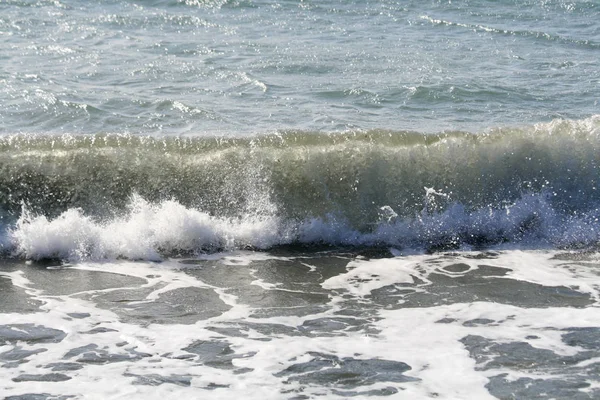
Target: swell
359 188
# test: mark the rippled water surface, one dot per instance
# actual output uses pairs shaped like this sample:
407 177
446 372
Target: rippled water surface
232 67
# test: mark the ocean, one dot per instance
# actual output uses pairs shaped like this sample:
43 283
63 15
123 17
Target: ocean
299 200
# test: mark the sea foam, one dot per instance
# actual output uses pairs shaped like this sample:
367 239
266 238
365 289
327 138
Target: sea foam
151 231
145 231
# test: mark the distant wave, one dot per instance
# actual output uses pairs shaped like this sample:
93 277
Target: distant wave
523 33
106 196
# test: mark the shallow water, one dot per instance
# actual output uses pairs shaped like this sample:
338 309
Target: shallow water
291 325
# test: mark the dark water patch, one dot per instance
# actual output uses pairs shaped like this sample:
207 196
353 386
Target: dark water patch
19 354
271 329
13 364
285 274
99 330
79 315
457 268
327 261
93 354
67 281
291 311
240 329
14 299
576 388
179 306
482 284
179 357
193 304
53 377
522 356
336 326
234 330
241 371
214 386
349 373
387 391
445 321
215 354
287 288
30 333
587 338
157 380
64 366
479 321
483 255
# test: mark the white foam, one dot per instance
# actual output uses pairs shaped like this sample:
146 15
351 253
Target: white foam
145 231
149 230
439 360
434 350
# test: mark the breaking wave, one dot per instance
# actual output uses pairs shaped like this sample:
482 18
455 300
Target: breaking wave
110 196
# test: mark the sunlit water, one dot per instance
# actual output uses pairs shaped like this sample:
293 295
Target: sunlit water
231 67
299 200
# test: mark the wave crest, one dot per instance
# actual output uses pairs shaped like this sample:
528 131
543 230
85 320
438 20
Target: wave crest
142 197
151 231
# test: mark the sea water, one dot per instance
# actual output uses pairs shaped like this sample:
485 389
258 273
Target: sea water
297 199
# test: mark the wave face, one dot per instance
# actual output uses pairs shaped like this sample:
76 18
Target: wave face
142 197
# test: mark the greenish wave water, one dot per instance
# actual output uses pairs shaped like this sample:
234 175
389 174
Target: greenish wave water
304 174
536 184
141 128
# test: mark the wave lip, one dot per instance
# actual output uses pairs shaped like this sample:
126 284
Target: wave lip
303 174
523 33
